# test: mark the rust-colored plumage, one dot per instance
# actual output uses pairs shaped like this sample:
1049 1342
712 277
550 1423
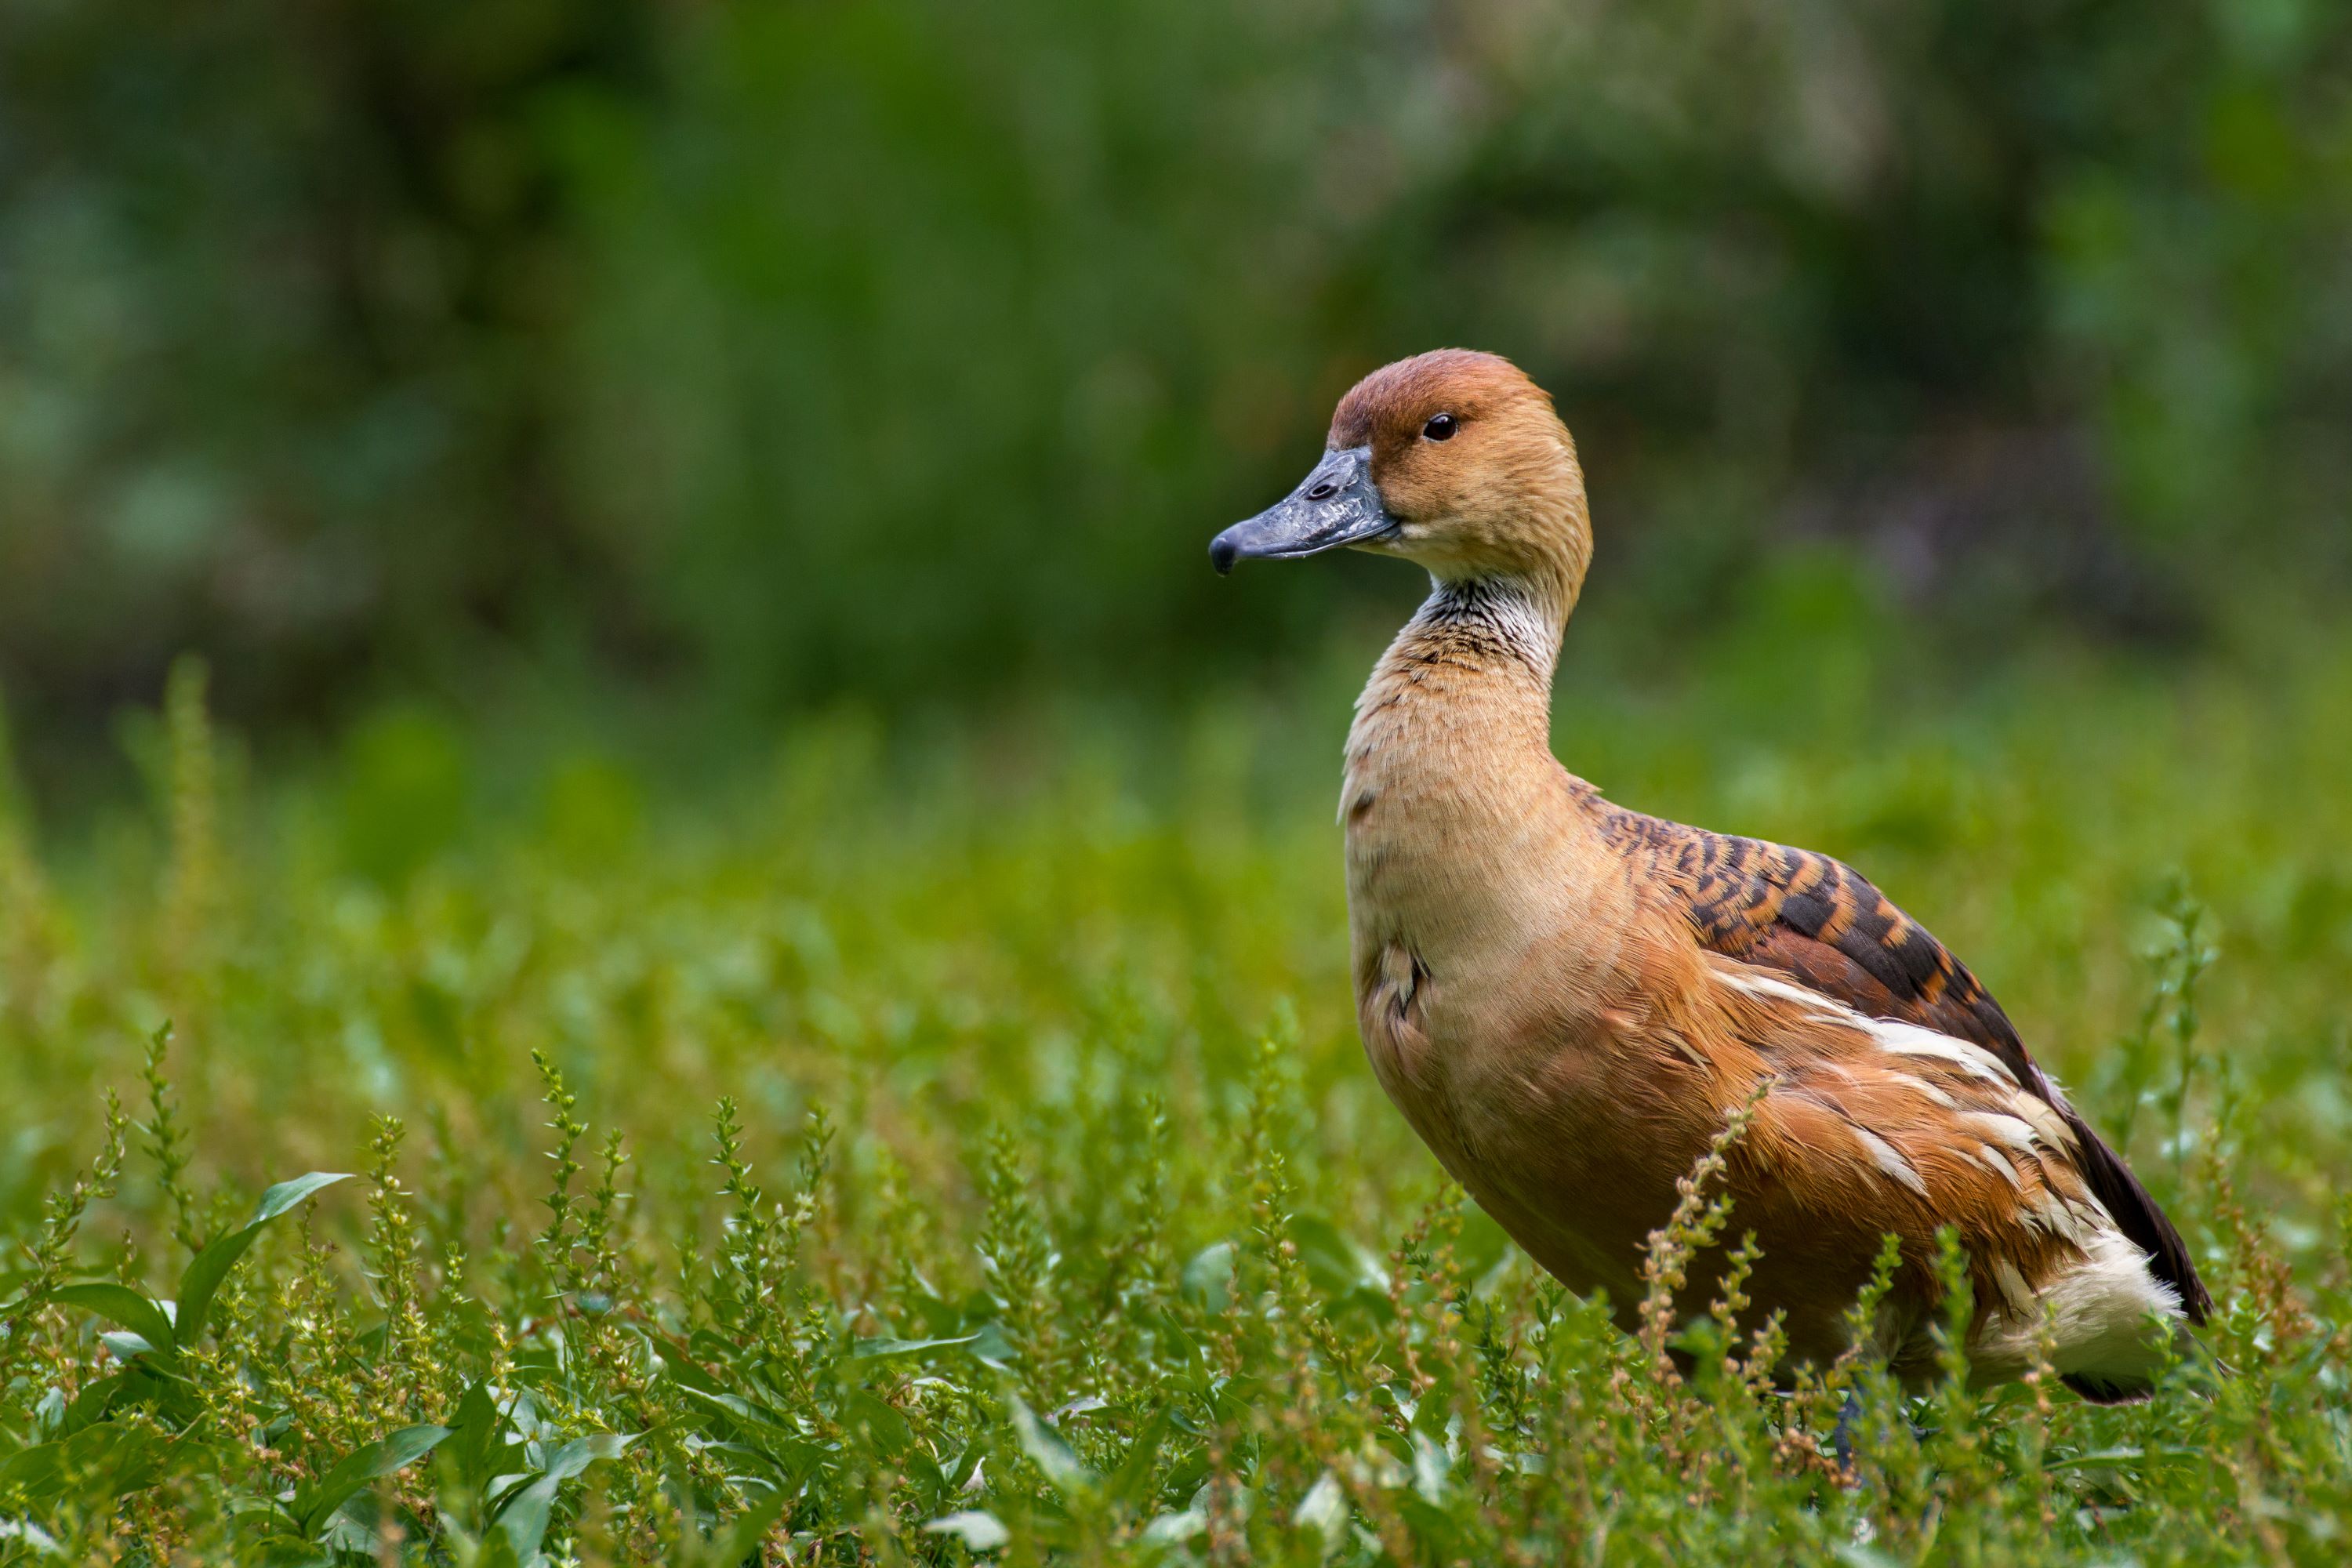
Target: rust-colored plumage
1566 999
1820 922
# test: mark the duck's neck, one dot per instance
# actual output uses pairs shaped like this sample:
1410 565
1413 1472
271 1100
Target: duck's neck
1472 670
1450 784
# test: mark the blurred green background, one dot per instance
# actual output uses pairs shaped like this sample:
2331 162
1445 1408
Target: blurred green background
759 357
673 536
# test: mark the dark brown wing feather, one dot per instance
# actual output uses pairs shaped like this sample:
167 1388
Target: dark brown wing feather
1820 923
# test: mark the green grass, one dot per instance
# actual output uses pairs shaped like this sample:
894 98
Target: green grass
914 1149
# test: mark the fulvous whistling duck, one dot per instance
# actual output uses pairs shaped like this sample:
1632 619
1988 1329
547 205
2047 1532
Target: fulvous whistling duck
1568 1000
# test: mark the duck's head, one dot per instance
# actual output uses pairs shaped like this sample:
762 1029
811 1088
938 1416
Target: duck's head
1452 459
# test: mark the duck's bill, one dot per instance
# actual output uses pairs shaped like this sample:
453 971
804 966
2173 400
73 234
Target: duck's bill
1333 506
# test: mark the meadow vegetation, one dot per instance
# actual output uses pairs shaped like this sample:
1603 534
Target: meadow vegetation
953 1145
628 1045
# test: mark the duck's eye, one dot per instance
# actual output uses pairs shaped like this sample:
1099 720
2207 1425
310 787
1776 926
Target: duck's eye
1440 428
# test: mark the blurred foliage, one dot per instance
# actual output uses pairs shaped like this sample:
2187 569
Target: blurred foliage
898 347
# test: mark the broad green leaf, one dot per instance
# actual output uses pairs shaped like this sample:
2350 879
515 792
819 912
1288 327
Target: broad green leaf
279 1199
576 1456
105 1462
978 1531
741 1537
740 1408
204 1273
1324 1510
120 1304
496 1551
211 1266
689 1374
1173 1528
477 1434
1430 1466
886 1350
2127 1456
1237 1398
1063 1468
993 1347
1208 1279
93 1402
953 1477
886 1431
349 1533
523 1521
766 1434
315 1502
34 1470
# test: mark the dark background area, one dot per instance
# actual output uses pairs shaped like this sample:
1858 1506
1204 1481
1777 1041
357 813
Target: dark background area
762 355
